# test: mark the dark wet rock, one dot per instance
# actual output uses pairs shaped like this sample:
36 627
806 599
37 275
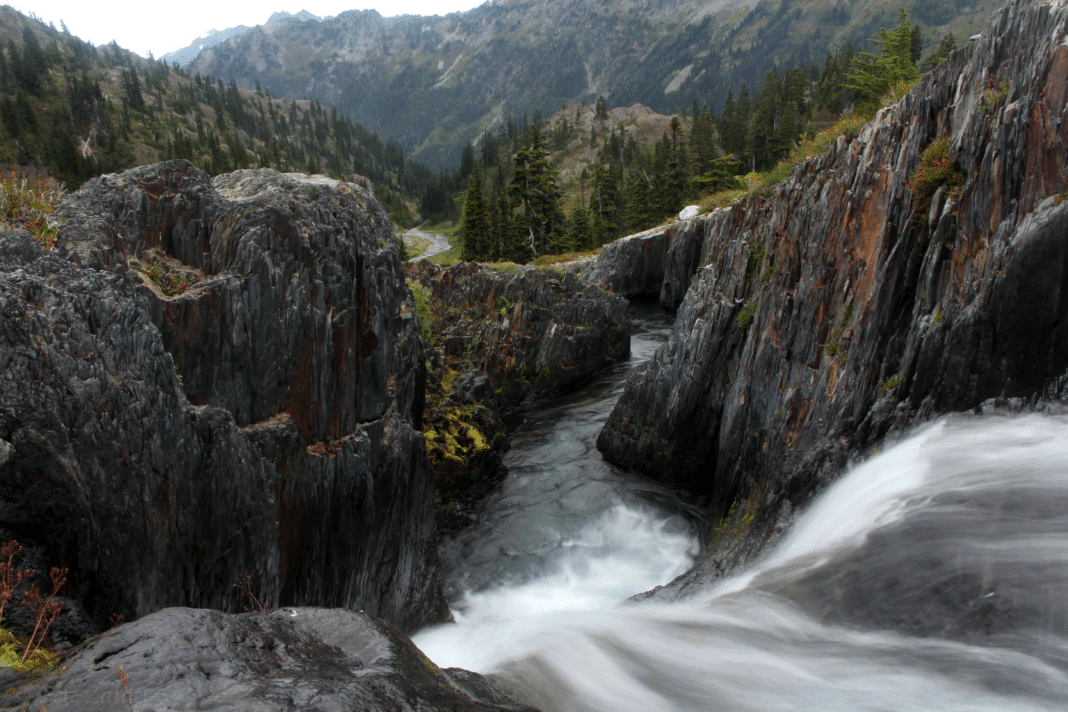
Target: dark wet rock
209 379
656 263
501 339
825 315
302 658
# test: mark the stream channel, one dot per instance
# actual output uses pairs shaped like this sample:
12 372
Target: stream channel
933 576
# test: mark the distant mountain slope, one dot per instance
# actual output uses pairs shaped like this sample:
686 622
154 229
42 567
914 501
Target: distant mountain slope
187 54
79 111
435 83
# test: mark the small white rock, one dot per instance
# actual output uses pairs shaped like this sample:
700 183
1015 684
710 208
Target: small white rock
690 211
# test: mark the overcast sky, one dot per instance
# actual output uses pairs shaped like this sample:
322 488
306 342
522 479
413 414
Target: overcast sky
164 27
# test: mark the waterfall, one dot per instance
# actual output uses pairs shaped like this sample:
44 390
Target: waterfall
933 576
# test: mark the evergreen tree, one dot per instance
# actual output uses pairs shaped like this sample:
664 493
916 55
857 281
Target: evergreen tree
917 43
605 213
475 227
948 44
534 189
601 112
467 163
131 85
873 74
579 236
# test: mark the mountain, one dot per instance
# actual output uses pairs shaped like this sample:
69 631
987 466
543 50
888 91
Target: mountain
185 55
80 110
434 84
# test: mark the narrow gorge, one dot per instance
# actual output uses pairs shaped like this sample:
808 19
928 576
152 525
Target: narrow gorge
820 454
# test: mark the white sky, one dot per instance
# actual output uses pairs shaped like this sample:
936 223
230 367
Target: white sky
162 27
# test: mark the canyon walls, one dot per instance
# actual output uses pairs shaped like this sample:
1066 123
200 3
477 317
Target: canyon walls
206 379
830 310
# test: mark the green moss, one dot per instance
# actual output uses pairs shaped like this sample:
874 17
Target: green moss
421 300
935 170
891 383
756 259
745 317
169 281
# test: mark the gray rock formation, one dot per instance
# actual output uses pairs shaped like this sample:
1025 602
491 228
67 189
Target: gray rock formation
826 313
303 658
500 339
656 263
206 380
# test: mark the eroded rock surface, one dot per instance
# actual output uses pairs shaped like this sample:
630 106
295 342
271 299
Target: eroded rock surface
302 658
825 313
500 339
212 378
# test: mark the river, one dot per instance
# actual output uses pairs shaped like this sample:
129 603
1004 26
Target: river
934 576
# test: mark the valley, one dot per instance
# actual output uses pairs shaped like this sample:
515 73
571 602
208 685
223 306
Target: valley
802 449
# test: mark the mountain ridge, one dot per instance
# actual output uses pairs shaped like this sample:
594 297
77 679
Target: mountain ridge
435 83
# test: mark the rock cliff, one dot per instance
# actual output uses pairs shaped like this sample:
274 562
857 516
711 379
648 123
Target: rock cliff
656 263
832 309
302 658
213 378
498 339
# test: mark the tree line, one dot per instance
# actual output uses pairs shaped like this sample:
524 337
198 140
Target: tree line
79 111
512 203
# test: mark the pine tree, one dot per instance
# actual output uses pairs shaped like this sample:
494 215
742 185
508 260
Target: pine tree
578 231
605 204
534 189
475 227
131 84
873 74
948 44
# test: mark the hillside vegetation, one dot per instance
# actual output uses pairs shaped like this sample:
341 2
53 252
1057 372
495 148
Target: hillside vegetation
79 111
434 84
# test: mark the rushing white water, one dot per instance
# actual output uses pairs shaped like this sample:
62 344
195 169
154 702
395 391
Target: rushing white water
932 577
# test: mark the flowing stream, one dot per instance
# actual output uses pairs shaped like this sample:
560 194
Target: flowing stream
934 576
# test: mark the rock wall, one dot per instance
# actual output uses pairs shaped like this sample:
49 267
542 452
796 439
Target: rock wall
255 406
656 263
826 313
498 339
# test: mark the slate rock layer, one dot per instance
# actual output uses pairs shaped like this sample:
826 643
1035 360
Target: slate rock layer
214 378
824 312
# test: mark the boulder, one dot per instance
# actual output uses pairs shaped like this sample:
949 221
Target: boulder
295 658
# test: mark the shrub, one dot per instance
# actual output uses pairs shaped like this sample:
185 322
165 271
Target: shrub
33 658
421 299
28 205
935 170
891 383
745 317
170 283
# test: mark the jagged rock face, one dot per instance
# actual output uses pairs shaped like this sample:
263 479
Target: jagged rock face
531 332
824 313
148 500
304 658
296 333
655 263
502 338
